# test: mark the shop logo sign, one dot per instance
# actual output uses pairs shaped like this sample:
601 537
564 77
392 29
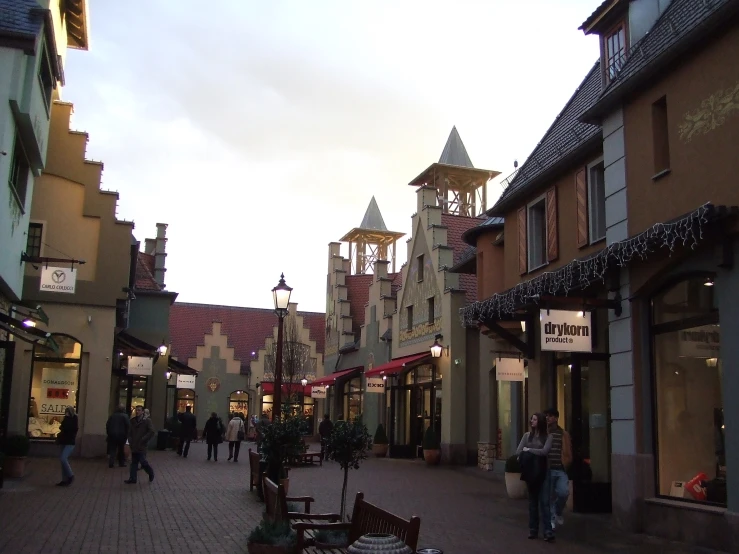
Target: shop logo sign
566 331
186 381
140 365
700 342
375 385
213 384
58 279
318 392
509 369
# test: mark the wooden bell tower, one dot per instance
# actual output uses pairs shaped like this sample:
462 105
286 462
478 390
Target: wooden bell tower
371 242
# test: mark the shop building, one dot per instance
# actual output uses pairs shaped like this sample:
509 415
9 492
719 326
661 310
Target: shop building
232 350
34 37
656 295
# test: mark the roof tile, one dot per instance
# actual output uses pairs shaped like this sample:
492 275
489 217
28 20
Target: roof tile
145 273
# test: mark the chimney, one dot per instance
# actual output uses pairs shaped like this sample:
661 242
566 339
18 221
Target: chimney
149 246
160 255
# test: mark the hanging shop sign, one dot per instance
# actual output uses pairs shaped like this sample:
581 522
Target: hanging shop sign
58 390
140 365
376 385
700 342
318 392
58 279
566 331
186 381
509 369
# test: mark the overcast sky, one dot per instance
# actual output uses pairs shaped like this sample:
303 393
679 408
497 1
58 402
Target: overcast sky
259 131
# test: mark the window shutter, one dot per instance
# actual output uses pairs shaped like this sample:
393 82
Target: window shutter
581 197
552 238
522 253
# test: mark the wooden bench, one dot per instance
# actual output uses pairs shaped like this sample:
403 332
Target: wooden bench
276 508
254 459
366 518
309 458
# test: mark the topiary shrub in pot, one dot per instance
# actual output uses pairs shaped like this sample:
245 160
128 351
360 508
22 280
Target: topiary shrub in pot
331 539
271 537
16 449
380 442
513 484
431 447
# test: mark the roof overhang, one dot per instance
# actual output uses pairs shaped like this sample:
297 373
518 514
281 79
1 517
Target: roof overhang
20 330
78 24
129 345
373 236
428 174
602 15
180 368
331 378
397 365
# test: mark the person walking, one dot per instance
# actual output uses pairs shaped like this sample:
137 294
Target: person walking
188 430
251 433
235 433
139 435
261 426
117 428
213 435
66 438
324 431
533 451
560 458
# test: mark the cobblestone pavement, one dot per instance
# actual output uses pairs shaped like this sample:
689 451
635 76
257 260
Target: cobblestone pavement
199 506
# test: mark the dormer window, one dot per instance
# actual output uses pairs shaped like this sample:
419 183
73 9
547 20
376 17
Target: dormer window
614 51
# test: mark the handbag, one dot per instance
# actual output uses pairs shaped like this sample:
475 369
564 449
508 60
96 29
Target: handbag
241 435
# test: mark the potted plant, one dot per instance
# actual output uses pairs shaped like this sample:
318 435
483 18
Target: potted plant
348 444
331 539
272 538
431 447
513 484
281 442
16 449
380 442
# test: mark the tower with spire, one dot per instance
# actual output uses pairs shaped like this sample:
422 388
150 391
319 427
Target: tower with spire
460 187
371 242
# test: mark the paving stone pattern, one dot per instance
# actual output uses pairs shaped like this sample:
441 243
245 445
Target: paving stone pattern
199 506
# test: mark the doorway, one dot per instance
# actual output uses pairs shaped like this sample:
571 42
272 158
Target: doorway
415 406
583 401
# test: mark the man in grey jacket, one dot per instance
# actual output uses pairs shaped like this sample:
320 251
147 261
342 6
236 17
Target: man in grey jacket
142 430
117 429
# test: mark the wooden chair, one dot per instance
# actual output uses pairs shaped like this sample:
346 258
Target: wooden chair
276 508
366 518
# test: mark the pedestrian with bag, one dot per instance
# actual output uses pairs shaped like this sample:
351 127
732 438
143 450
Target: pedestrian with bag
117 428
66 438
139 435
235 433
188 430
213 435
532 452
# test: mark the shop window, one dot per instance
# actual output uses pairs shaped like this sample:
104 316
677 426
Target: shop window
132 392
267 401
185 398
55 379
688 382
352 399
238 402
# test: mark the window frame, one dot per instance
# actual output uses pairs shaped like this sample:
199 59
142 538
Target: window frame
45 70
409 315
14 175
542 199
419 268
589 168
42 226
431 301
615 29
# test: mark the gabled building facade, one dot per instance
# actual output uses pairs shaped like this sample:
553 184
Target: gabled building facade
631 337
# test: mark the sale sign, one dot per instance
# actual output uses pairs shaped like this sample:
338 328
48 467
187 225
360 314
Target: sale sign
58 390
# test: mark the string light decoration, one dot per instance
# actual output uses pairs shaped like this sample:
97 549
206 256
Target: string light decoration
578 274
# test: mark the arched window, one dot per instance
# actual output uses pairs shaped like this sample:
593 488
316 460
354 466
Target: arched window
238 402
688 380
55 379
185 397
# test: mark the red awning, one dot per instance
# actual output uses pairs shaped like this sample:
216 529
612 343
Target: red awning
329 379
395 366
295 388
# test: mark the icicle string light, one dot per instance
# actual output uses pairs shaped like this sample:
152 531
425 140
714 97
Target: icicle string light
578 274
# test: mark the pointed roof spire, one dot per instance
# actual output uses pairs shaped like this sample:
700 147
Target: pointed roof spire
373 218
454 152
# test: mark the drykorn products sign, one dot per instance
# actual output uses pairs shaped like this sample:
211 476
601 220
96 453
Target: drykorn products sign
375 385
58 279
566 331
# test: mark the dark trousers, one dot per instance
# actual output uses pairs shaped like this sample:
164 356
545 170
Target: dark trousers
233 450
136 459
324 450
540 500
184 446
213 449
115 450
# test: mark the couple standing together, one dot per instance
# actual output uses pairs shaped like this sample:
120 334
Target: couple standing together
545 454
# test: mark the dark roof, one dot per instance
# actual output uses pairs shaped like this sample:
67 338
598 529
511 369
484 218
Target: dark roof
682 24
564 138
454 152
21 17
470 235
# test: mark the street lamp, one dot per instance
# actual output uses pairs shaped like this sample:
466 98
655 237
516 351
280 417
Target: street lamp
162 348
437 348
281 295
304 381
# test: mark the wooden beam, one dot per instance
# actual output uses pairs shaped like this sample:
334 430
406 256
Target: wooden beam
526 348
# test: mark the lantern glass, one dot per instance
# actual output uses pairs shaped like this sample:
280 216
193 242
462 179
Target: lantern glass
436 349
281 295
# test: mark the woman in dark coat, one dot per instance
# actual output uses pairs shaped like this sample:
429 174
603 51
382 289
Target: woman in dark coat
213 434
66 439
533 451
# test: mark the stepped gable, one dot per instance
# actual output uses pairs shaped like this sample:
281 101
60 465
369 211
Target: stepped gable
358 296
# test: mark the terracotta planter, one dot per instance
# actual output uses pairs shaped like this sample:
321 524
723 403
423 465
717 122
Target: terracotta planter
514 486
432 457
380 450
256 548
14 466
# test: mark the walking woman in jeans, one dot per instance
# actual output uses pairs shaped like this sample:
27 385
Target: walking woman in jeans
533 451
66 439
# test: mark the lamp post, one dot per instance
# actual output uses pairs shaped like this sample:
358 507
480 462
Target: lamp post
281 295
